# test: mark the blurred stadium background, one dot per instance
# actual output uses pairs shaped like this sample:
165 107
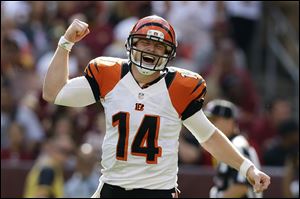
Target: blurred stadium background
248 52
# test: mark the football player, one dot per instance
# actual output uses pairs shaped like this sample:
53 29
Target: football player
145 104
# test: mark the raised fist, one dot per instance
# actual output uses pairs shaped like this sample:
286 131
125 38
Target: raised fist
76 31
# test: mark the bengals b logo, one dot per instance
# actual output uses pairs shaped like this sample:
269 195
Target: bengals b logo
139 106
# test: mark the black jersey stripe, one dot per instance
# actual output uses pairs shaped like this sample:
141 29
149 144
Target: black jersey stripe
169 78
94 85
95 64
202 93
125 69
198 84
192 108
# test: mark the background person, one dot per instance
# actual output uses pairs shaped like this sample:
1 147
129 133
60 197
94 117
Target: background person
46 179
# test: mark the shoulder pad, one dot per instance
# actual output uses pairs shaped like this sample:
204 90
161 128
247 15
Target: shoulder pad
104 73
184 72
184 87
107 61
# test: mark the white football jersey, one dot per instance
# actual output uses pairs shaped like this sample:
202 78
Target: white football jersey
140 147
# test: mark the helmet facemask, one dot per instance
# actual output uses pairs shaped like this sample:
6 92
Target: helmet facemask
143 59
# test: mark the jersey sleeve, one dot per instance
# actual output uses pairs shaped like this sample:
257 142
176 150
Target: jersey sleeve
103 73
187 90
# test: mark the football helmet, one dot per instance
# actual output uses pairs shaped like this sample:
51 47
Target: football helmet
153 28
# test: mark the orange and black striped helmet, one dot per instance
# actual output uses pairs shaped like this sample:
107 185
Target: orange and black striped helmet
154 28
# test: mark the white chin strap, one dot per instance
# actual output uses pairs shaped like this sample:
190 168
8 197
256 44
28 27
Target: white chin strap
144 71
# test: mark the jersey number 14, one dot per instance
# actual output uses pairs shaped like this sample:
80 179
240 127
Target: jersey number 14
145 140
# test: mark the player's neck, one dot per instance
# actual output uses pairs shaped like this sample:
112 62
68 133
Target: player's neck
143 79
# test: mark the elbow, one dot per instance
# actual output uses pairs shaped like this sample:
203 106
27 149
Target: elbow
50 93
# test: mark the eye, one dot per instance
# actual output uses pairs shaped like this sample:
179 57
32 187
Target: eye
160 46
145 42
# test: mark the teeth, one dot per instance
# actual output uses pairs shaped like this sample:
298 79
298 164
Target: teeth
149 57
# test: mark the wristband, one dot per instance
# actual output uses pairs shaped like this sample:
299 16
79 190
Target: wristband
245 166
65 44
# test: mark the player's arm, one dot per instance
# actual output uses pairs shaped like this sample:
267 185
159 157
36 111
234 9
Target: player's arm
58 72
76 92
223 150
213 140
219 146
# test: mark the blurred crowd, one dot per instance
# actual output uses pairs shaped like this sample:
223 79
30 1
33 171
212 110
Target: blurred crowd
214 39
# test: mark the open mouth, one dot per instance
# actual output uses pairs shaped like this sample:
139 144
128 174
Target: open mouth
148 59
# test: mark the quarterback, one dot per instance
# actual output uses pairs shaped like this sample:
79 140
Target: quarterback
145 104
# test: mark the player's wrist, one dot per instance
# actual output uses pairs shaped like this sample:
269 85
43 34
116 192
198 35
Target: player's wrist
65 44
245 166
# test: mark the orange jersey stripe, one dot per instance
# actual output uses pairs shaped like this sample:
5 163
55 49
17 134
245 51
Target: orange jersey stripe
106 71
185 88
